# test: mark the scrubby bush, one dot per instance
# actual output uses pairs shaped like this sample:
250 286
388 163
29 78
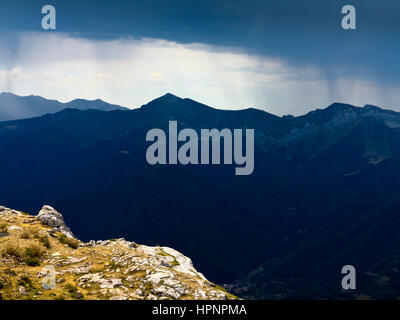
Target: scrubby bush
113 265
3 228
35 234
33 255
70 288
73 291
25 282
10 272
26 234
45 241
34 251
32 262
71 242
12 250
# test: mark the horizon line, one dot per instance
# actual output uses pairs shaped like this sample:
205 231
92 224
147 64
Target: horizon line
171 94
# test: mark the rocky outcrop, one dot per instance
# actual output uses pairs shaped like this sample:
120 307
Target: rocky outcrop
51 217
114 269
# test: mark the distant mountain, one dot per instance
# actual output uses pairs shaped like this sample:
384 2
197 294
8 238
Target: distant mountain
14 107
97 104
324 193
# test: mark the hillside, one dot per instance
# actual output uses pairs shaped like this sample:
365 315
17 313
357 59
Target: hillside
114 269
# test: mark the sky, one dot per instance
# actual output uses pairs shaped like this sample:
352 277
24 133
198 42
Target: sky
282 56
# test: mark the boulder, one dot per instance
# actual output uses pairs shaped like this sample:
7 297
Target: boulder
22 290
53 218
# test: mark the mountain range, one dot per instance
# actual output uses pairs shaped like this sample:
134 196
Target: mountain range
325 192
17 107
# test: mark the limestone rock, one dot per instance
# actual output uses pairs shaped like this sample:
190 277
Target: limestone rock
114 269
22 290
53 218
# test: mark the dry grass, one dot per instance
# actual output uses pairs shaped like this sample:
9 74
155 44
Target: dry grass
71 242
33 247
3 227
30 254
12 250
25 234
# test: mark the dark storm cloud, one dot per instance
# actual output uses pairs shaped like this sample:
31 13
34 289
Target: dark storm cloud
301 32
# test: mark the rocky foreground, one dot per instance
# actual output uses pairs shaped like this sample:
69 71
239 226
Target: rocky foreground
41 259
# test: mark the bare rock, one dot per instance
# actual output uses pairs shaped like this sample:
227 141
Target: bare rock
22 290
53 218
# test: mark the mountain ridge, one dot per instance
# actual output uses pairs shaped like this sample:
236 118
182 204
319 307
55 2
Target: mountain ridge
319 170
170 100
14 107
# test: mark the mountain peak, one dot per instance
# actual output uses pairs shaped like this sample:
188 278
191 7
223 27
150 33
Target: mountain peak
165 101
7 94
372 107
339 106
87 100
169 97
97 104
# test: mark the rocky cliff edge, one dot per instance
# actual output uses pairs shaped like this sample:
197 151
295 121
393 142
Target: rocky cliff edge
41 259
